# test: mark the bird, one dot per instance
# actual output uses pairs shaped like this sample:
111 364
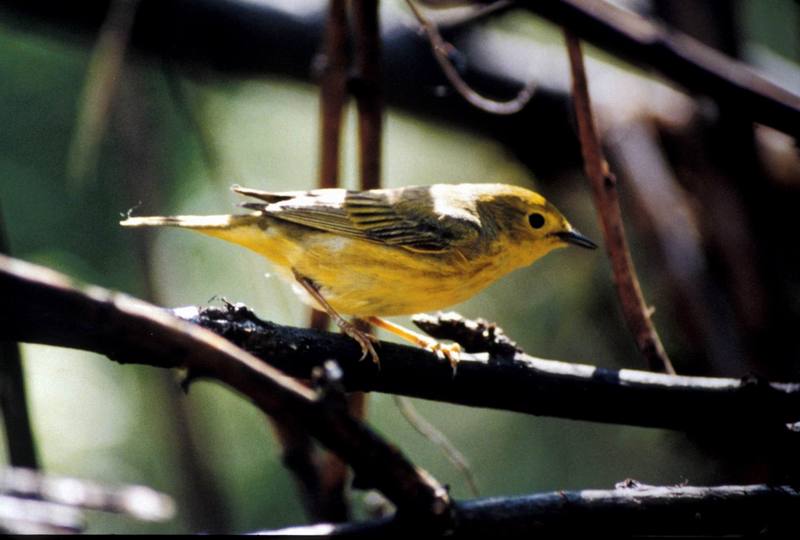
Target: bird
378 253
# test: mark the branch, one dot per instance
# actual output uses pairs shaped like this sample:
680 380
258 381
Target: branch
240 28
366 87
34 503
606 200
43 306
138 502
332 92
442 51
321 478
20 443
36 313
621 512
678 57
521 383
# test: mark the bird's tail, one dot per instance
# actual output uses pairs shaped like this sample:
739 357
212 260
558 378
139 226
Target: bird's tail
201 223
244 229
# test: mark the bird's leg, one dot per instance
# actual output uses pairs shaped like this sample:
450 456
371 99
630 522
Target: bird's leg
450 351
363 338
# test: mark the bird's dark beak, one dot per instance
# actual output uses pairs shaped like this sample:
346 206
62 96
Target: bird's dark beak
576 238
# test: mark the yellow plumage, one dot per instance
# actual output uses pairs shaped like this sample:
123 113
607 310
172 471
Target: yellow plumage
391 251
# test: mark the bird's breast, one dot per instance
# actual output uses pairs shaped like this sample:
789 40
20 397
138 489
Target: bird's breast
362 278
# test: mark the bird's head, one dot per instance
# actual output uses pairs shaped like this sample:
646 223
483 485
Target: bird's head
525 225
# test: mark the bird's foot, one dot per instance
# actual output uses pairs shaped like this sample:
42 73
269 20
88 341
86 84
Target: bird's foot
446 351
364 339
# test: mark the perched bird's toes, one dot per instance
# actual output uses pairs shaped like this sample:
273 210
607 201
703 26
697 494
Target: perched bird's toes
364 339
447 351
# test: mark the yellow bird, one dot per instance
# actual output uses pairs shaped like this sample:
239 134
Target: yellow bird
387 252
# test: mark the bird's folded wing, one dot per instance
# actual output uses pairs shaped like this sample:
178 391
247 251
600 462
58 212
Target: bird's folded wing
407 221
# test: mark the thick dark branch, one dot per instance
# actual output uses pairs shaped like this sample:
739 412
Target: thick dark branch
42 306
520 383
20 444
677 56
622 512
525 384
224 34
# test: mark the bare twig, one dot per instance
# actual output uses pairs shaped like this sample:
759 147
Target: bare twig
638 156
131 331
101 82
138 502
634 308
432 433
678 511
323 477
20 443
333 92
367 88
479 11
442 51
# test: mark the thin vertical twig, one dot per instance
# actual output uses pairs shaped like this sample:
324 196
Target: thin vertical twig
321 477
604 189
102 79
333 92
333 97
20 442
366 87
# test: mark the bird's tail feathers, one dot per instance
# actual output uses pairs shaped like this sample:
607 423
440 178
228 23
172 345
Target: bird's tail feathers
194 222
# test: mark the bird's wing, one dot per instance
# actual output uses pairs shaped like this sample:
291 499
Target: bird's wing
402 218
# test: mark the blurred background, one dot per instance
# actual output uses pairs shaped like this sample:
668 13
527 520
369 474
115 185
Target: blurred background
213 93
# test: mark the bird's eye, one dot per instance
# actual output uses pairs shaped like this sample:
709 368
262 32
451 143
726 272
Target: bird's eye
536 220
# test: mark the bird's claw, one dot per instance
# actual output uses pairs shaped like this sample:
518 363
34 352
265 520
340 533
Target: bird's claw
364 339
446 351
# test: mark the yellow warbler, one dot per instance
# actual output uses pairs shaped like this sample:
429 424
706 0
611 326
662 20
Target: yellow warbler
394 251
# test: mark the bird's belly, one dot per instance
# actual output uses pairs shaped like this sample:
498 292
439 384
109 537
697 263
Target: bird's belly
361 279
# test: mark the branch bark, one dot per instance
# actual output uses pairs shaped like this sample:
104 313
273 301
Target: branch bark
131 331
44 309
678 511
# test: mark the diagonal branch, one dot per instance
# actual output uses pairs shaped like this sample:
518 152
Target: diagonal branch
606 200
678 57
44 306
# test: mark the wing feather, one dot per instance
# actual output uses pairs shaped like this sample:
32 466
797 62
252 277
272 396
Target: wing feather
404 217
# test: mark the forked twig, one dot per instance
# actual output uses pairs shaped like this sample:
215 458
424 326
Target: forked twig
131 331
